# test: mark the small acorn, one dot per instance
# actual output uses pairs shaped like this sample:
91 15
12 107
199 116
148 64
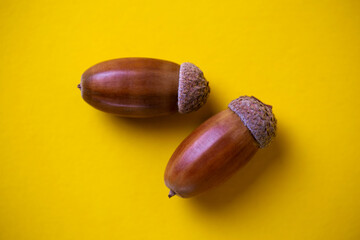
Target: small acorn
219 147
144 87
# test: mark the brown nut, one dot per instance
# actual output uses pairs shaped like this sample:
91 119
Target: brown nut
144 87
219 147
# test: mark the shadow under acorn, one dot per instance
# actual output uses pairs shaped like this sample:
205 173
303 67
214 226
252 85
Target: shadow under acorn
228 193
231 192
161 126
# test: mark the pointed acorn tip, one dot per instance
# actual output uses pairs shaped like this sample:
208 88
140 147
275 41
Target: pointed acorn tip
171 193
79 86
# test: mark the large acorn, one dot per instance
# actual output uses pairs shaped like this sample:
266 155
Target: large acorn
144 87
220 146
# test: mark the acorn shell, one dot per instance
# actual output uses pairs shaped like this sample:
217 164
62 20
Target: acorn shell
219 147
211 154
144 87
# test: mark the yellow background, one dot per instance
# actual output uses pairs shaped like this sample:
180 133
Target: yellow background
68 171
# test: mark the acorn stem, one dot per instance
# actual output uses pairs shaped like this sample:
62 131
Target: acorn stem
79 86
171 193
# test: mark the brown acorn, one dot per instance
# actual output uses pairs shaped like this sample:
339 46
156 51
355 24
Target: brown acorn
144 87
219 147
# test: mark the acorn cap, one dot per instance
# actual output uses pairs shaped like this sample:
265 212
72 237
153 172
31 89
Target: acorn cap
257 117
193 88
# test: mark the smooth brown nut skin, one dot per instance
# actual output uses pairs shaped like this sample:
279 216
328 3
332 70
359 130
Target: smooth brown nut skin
132 87
210 155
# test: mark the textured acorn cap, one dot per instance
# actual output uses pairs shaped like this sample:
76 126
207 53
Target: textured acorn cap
257 117
193 88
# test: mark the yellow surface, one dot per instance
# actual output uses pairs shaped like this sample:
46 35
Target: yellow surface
68 171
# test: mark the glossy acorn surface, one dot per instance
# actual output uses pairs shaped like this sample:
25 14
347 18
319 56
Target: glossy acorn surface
143 87
219 147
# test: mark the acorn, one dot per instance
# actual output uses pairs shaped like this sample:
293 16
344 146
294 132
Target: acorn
219 147
144 87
